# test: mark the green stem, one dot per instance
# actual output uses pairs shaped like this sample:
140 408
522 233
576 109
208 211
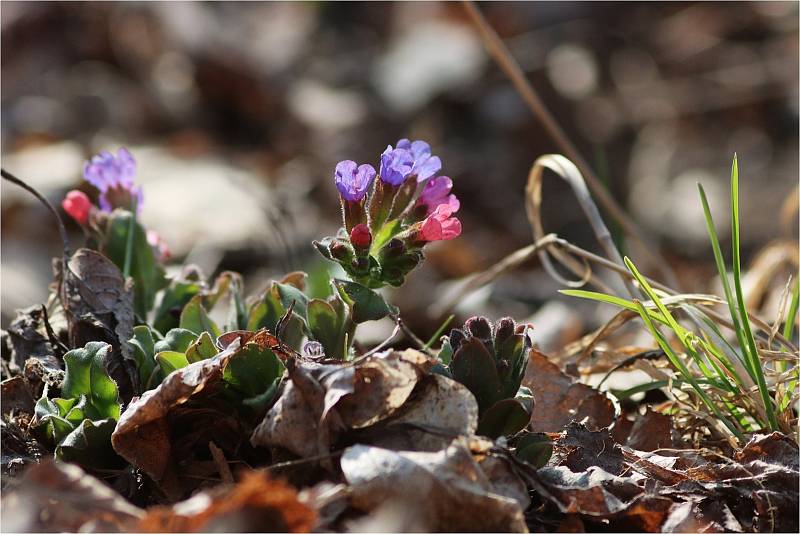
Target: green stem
126 271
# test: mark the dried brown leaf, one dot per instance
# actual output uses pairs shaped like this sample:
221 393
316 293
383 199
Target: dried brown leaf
448 490
560 399
54 496
256 504
319 402
142 435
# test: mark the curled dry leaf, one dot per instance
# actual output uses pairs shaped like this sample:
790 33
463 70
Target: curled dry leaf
319 402
256 504
27 338
582 448
99 306
448 490
646 432
560 399
16 396
56 496
439 410
142 435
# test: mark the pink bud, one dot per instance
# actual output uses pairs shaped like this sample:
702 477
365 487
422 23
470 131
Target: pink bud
360 236
77 205
159 246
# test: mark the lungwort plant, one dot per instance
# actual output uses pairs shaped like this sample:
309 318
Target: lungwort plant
743 382
490 361
156 327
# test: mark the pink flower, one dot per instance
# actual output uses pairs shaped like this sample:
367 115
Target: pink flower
437 192
77 205
159 246
440 226
360 236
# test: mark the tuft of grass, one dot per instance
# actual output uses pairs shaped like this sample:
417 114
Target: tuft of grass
729 378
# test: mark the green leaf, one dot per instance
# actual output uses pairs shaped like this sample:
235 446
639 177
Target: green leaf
86 375
194 317
173 300
177 339
201 349
367 305
143 349
253 369
445 352
260 402
147 273
289 294
266 312
51 418
325 326
170 361
89 444
505 418
534 448
474 367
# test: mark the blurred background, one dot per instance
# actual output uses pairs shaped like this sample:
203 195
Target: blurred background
238 112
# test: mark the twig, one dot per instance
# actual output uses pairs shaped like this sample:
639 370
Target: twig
222 464
407 331
61 228
511 68
57 344
567 170
380 346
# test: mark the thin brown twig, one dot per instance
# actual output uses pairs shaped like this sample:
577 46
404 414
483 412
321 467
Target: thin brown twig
506 61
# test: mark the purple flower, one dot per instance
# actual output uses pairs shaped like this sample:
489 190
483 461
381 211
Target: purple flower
396 165
436 193
425 165
113 176
353 180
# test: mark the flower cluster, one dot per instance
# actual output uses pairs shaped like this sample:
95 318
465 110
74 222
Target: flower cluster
114 177
390 215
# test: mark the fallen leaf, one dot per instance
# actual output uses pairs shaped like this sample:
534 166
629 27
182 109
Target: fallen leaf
439 410
99 306
319 402
256 504
586 448
560 399
62 497
16 396
448 490
142 435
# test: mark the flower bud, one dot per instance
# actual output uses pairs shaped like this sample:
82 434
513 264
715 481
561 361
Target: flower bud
340 251
479 327
360 237
504 329
77 205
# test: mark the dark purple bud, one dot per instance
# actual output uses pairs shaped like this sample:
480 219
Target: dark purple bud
503 330
479 327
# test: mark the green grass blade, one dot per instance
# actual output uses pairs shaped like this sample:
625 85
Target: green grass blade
791 316
723 275
610 299
687 376
439 331
683 335
769 406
